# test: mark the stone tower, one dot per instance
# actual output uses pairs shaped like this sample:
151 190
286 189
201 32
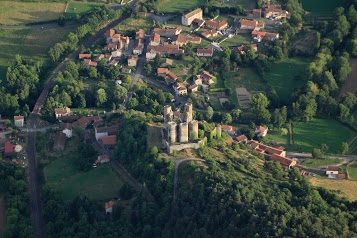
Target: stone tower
188 111
193 130
183 132
171 132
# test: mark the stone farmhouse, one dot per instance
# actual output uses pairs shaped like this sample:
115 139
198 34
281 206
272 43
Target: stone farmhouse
167 32
187 19
19 121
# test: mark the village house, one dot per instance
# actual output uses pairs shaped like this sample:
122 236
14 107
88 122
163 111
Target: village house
155 39
102 159
204 78
67 129
100 57
59 141
61 112
229 129
126 70
197 22
248 24
138 47
116 53
205 52
193 88
271 36
257 13
182 40
171 77
187 19
105 131
82 122
261 131
84 56
332 171
19 121
241 139
243 48
216 25
180 89
109 207
132 61
274 11
285 162
163 50
161 72
210 33
89 63
168 32
108 142
268 150
9 150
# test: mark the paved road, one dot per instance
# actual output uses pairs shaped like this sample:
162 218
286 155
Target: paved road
177 164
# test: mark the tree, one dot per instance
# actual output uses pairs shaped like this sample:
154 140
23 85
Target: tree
344 148
101 97
226 118
120 93
209 113
236 113
93 73
324 148
260 107
317 153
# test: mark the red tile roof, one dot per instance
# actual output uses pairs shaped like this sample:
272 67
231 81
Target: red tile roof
284 162
82 56
9 148
18 118
332 168
260 128
109 140
82 122
109 204
172 75
248 22
259 33
241 138
227 128
162 70
205 51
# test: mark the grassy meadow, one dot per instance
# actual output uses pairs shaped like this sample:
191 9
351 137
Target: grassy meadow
344 188
21 13
74 8
352 170
282 76
309 135
174 6
98 183
315 163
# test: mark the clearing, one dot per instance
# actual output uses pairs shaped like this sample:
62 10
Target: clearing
21 13
287 76
309 135
352 170
174 6
31 42
80 8
350 84
315 163
345 188
130 25
305 44
154 135
237 40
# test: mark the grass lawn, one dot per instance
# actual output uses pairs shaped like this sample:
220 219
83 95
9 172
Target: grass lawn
314 163
320 131
59 169
282 76
174 6
74 8
352 170
101 183
246 4
348 188
237 40
20 13
34 43
274 136
134 24
318 6
154 135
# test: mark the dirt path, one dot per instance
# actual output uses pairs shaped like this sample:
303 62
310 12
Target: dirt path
177 164
2 216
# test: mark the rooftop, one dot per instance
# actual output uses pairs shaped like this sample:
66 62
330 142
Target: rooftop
194 12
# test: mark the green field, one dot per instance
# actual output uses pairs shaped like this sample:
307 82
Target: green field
315 163
274 136
74 8
174 6
320 131
134 24
237 40
352 170
29 42
321 6
282 76
98 183
20 13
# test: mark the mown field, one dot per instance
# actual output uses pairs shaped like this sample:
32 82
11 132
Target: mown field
74 8
131 25
20 13
352 170
345 188
283 76
315 163
174 6
98 183
237 40
309 135
31 42
321 5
